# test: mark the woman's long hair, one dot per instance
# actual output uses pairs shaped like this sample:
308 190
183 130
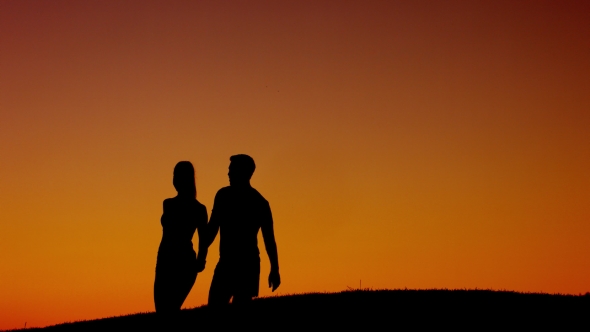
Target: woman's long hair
184 179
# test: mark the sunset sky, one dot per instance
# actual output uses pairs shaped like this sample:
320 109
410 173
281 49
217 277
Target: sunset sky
418 144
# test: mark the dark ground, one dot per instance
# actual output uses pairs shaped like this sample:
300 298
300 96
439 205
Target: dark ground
363 310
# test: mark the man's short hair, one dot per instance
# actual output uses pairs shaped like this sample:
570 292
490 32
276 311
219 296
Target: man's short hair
244 163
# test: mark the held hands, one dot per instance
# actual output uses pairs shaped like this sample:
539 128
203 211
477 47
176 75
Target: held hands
274 279
200 265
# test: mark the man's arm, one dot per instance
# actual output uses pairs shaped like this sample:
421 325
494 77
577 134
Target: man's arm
210 232
268 234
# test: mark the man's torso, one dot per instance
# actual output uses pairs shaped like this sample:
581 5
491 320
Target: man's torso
242 212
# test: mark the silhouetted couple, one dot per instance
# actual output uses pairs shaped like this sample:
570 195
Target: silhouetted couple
239 212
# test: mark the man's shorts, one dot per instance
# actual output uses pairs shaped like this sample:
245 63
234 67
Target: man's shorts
236 278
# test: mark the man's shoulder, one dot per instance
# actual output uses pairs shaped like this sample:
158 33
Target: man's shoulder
232 193
223 192
259 196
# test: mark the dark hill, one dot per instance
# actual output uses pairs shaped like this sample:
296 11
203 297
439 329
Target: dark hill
367 310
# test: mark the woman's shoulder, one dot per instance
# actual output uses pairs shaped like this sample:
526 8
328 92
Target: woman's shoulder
168 202
176 201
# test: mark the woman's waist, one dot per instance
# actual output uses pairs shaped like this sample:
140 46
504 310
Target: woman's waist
175 244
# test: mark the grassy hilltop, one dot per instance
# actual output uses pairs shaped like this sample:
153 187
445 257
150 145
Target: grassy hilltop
366 310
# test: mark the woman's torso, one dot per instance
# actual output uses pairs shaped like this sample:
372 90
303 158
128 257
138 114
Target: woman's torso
179 221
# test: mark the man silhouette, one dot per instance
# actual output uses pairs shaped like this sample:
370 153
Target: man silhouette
239 212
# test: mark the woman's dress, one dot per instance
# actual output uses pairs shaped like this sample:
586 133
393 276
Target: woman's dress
176 267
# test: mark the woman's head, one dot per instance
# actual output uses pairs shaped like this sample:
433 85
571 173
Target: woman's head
184 179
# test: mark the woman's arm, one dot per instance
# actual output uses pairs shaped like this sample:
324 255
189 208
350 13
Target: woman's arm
203 241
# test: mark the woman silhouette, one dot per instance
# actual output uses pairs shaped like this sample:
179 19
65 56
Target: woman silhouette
177 265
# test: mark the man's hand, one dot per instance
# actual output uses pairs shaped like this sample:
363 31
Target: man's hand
274 279
200 265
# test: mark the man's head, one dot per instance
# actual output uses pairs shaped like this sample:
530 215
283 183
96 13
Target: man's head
241 168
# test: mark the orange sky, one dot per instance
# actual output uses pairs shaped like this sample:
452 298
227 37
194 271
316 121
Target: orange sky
419 144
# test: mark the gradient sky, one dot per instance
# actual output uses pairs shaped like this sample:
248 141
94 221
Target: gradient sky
419 144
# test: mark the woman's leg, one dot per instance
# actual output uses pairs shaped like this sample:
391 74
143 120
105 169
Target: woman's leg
184 287
162 293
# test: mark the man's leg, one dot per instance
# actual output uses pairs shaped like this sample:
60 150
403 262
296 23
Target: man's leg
220 292
247 282
241 299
